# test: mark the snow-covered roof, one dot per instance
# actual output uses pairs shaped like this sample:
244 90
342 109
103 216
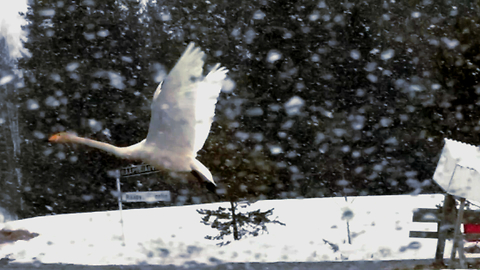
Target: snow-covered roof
468 155
458 170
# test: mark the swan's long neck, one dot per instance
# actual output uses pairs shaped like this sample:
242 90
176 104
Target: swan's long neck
118 151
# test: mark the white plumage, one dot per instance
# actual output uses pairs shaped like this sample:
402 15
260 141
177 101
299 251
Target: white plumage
183 108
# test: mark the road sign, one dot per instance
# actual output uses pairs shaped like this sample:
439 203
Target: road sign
147 196
137 170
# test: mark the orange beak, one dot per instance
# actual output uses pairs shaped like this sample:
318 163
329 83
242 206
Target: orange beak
54 138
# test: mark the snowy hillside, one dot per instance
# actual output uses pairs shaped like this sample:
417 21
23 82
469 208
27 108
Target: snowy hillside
314 231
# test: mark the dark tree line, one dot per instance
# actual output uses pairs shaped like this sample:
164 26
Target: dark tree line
329 98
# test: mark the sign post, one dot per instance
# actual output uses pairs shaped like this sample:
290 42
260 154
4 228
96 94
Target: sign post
116 175
137 170
147 196
139 196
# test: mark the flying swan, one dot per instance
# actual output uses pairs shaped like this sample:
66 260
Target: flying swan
182 114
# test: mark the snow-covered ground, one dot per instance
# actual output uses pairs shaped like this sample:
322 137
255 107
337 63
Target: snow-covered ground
379 229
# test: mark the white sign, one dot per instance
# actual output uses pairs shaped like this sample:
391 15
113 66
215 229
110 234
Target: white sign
147 196
458 170
137 170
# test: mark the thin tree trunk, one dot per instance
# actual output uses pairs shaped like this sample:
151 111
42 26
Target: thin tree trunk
15 135
12 178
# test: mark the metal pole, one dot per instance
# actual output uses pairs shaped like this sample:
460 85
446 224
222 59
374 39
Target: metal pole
120 206
116 174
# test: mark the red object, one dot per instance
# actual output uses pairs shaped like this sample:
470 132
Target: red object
471 228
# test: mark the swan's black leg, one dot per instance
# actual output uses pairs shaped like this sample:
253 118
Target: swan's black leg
210 186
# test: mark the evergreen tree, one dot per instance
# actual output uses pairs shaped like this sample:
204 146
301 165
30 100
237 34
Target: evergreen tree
233 221
325 98
85 74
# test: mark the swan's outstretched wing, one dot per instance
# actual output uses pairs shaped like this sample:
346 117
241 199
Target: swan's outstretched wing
207 95
172 124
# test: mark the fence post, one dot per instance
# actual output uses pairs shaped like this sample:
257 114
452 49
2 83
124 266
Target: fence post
448 215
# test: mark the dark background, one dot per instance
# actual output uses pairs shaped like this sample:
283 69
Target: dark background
358 101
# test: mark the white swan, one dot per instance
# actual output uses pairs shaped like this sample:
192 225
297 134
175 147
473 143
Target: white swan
182 113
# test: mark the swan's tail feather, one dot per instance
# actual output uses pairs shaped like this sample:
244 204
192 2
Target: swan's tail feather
204 176
202 172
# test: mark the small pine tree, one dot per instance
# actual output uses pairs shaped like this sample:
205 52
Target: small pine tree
233 222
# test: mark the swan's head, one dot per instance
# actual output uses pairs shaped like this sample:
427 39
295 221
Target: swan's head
62 137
